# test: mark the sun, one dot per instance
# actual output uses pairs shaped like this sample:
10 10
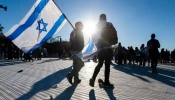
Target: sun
89 27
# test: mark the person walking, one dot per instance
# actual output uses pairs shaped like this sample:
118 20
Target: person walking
107 37
77 45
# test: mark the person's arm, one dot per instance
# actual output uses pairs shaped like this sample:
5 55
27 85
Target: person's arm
147 45
158 44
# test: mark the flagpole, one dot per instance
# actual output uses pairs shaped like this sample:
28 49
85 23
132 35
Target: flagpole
64 15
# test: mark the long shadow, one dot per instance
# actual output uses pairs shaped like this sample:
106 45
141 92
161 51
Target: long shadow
67 93
92 95
10 62
50 60
164 71
110 93
161 77
129 70
46 83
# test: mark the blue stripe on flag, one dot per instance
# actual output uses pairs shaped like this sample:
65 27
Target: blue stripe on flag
50 33
29 21
91 46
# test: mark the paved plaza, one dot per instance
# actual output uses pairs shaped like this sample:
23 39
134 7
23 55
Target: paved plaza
45 80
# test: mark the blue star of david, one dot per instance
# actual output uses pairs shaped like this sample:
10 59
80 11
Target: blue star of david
39 26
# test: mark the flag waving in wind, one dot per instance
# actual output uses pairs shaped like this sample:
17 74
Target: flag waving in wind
42 21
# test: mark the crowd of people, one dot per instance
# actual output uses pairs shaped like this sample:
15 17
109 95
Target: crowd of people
11 52
140 55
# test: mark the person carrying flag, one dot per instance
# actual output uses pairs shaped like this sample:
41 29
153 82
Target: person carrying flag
77 45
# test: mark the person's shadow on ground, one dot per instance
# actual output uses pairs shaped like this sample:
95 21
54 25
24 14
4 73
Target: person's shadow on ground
46 83
67 93
164 75
10 62
49 60
109 92
92 95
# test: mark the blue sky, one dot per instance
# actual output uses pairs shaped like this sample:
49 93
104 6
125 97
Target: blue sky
134 20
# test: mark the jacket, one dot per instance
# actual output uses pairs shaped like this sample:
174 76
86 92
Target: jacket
76 40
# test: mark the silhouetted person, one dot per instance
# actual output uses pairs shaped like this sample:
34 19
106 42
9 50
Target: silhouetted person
142 55
162 60
119 54
153 45
77 45
104 40
137 56
124 52
131 55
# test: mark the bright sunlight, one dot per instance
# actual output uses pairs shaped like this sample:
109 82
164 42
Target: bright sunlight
89 27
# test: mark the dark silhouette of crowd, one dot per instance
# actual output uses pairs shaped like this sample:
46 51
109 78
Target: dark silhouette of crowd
140 56
10 51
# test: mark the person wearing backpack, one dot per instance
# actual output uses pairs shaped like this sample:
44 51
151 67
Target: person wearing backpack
153 45
77 45
107 37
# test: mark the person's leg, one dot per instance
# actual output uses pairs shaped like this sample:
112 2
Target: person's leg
144 60
118 58
97 68
78 66
140 61
108 55
73 72
155 63
100 64
152 62
129 58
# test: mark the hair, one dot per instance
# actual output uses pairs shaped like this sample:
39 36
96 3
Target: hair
78 24
142 46
102 17
153 36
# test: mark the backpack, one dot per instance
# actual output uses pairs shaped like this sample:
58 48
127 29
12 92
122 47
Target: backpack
109 35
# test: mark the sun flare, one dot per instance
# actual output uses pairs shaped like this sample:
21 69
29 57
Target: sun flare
89 27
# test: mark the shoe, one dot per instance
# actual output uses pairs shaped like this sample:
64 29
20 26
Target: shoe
69 78
91 82
108 85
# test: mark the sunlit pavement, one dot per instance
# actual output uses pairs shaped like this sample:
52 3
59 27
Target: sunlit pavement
45 80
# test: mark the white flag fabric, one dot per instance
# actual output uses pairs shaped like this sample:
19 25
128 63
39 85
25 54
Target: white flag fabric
91 49
88 51
42 21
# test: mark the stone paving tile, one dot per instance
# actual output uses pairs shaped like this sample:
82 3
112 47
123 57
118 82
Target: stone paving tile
169 97
45 79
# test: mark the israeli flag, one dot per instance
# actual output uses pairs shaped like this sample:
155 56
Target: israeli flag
42 21
89 50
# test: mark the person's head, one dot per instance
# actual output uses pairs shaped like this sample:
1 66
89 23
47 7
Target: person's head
119 43
142 46
136 48
153 36
102 17
79 25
